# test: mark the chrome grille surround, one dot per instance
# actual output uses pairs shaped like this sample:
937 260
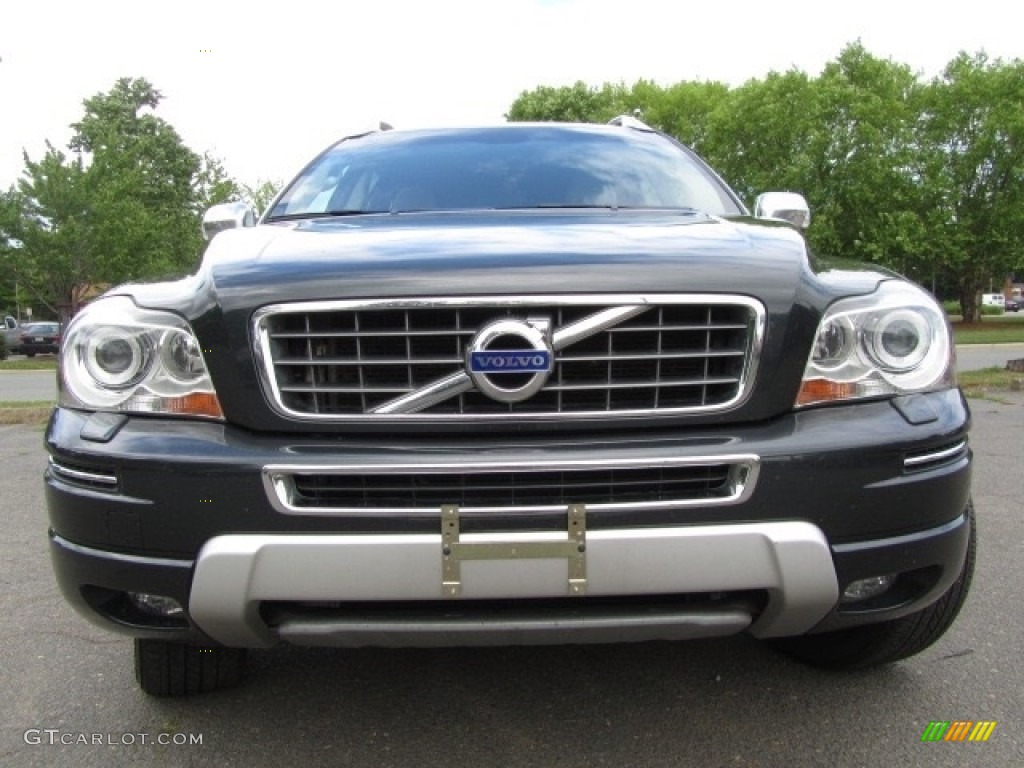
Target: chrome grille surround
612 485
616 355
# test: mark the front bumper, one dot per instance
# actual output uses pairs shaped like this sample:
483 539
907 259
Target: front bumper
190 511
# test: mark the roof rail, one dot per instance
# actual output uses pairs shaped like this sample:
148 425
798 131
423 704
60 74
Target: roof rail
381 127
631 121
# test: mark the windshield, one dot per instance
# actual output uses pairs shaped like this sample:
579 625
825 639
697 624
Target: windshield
511 167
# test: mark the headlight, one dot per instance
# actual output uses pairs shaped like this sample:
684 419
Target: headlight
118 357
892 342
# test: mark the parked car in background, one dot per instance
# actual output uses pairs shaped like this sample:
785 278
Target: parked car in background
11 331
993 300
1012 304
38 339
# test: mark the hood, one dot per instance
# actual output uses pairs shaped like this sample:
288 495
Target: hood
408 255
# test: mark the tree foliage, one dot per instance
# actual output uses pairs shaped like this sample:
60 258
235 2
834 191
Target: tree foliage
973 131
925 177
51 218
122 204
865 177
259 195
577 103
214 185
142 177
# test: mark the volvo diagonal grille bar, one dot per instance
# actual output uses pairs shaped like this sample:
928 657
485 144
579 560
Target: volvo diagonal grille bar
450 386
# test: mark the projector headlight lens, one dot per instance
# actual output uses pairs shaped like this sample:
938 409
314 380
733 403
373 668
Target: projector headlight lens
117 356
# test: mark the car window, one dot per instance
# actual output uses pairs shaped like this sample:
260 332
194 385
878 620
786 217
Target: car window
511 169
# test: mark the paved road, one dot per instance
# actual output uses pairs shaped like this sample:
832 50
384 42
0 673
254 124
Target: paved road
27 385
41 385
974 357
708 703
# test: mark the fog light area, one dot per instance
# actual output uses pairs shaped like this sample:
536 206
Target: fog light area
864 589
156 605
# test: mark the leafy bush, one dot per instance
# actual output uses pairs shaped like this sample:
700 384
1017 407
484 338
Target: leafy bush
951 307
988 309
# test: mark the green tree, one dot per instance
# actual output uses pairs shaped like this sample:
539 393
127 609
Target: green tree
213 185
758 135
123 206
865 160
578 103
9 246
850 140
259 195
684 110
845 139
973 131
55 226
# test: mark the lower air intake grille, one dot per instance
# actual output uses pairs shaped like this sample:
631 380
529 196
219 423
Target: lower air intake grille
519 489
351 490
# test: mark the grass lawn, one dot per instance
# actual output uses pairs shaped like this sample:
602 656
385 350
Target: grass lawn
988 381
992 330
46 363
31 412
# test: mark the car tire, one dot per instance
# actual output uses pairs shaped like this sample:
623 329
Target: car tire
164 668
875 644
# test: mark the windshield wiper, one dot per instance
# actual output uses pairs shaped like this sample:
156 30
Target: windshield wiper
321 214
589 207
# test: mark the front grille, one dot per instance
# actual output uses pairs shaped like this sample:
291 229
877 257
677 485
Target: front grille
345 360
423 489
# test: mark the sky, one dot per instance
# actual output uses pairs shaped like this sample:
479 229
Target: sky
264 86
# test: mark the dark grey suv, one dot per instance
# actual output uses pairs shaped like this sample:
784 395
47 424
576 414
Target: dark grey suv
518 384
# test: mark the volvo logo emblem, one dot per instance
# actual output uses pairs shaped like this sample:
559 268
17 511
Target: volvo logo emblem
518 361
510 360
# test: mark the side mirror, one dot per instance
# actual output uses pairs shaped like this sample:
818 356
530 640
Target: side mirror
786 206
227 216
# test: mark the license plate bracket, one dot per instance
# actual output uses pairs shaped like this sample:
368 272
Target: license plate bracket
455 551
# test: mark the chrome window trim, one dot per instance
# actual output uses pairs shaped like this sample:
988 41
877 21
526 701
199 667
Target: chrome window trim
260 341
277 482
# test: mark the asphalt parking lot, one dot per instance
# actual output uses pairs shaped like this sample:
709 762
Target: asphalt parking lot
70 697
